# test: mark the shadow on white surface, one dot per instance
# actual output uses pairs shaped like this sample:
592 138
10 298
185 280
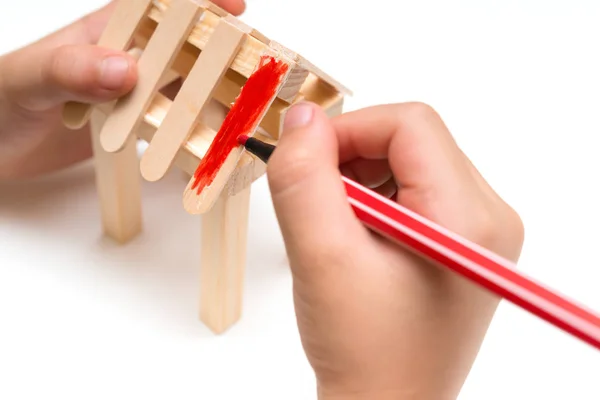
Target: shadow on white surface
156 274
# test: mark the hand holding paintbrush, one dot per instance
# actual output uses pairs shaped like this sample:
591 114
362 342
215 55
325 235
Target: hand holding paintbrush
379 314
443 247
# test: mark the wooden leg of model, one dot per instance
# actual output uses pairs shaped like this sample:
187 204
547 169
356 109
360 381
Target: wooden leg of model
224 239
118 185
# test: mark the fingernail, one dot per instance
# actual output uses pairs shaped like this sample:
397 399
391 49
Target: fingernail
113 72
298 116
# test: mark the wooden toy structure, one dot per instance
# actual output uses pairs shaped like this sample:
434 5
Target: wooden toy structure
215 55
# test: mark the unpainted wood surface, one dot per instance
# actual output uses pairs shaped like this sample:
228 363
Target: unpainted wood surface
223 261
118 184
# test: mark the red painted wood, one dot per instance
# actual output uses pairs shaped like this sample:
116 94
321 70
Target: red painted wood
242 118
471 261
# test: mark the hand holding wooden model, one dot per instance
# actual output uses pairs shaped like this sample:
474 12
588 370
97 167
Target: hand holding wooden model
37 80
376 322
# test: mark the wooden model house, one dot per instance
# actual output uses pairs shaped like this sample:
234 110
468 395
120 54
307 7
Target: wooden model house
234 81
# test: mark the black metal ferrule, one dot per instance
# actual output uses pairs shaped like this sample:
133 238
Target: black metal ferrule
259 148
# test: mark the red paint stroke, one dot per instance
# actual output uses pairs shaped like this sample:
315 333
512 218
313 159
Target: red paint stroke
242 119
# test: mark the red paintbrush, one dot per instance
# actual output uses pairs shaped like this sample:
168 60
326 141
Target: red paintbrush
472 261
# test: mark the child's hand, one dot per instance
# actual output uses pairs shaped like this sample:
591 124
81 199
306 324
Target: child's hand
377 322
37 80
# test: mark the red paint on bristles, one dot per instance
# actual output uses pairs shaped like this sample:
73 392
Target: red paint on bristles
242 119
242 139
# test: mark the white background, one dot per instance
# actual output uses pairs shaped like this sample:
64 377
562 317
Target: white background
518 83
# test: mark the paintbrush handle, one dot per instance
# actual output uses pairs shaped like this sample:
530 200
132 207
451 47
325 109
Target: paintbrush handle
471 261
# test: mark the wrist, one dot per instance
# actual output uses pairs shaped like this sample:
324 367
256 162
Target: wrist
2 87
379 394
390 395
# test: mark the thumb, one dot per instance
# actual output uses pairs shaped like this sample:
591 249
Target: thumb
308 194
43 78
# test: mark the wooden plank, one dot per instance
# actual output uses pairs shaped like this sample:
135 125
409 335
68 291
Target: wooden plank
313 69
248 56
196 91
199 140
313 89
228 90
223 259
118 35
304 65
248 29
156 59
251 51
118 185
196 145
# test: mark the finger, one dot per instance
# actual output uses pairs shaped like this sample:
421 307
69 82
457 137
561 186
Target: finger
55 152
307 190
235 7
387 189
41 80
421 151
369 173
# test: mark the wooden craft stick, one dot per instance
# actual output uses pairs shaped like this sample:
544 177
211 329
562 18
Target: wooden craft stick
247 29
221 159
199 203
118 35
223 261
79 113
194 94
249 54
156 59
118 185
324 76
